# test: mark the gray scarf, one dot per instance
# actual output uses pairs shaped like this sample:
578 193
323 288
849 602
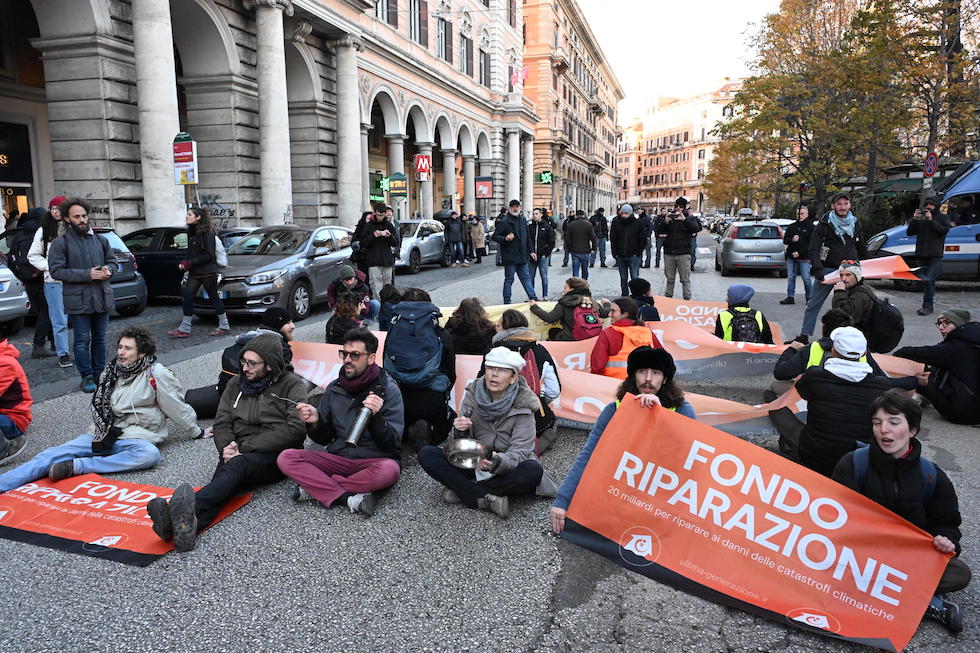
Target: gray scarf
490 409
506 334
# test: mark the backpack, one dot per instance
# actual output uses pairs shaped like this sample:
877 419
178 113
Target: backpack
585 321
17 256
413 348
745 326
927 468
886 328
220 254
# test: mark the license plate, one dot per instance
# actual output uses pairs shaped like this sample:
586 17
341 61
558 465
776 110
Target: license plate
757 258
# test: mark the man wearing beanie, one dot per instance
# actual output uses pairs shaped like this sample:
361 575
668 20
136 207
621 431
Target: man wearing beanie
650 378
741 323
854 297
952 378
627 240
354 282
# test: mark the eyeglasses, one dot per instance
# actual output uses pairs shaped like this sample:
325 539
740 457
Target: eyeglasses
942 323
249 363
353 355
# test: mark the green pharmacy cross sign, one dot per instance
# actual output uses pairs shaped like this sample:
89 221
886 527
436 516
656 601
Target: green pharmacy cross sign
545 177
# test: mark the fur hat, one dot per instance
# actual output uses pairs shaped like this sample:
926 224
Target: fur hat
648 358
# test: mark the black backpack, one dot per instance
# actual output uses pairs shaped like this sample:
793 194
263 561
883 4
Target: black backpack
17 256
886 328
745 327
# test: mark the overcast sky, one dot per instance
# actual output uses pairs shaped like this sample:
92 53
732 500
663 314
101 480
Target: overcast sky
674 48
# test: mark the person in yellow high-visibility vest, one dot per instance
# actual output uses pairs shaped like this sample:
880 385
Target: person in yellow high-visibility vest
625 333
741 323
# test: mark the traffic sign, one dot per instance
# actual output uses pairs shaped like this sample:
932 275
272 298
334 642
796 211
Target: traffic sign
931 166
423 163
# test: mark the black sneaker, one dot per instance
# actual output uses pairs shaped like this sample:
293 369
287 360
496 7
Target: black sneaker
65 361
365 505
802 338
61 470
788 300
949 615
15 447
183 518
159 513
40 351
922 311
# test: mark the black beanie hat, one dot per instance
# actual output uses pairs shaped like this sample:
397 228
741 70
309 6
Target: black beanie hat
275 317
648 358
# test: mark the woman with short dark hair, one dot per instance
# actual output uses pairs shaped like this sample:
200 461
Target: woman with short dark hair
201 268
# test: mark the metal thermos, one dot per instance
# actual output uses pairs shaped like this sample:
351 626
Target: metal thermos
358 428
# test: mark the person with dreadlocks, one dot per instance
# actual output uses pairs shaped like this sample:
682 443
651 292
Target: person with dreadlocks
132 402
649 377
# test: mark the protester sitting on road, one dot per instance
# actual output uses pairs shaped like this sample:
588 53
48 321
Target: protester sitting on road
350 469
389 296
952 379
838 395
855 297
353 282
498 411
739 322
513 332
256 422
15 399
642 293
415 341
624 334
470 328
346 314
134 397
575 295
892 472
650 378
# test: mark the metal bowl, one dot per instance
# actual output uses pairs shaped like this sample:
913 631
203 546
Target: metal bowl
465 453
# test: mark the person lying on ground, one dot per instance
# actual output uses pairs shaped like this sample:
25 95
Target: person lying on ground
130 406
650 378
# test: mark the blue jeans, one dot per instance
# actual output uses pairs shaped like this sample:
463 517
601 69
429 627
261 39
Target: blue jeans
456 253
660 248
694 250
796 267
523 274
8 429
600 251
126 454
540 267
629 268
818 296
372 309
580 265
59 321
89 343
929 274
647 249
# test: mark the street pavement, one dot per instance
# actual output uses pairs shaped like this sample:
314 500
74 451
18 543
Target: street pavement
420 575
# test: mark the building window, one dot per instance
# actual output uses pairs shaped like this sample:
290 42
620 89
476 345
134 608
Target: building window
418 21
485 68
686 134
510 79
701 153
466 55
387 10
444 39
512 12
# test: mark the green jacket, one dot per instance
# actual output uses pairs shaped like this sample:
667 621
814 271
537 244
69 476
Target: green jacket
858 301
262 424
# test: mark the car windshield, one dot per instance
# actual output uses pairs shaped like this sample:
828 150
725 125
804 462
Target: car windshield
407 229
757 232
270 242
114 241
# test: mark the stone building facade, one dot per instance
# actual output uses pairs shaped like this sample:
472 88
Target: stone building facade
576 95
300 109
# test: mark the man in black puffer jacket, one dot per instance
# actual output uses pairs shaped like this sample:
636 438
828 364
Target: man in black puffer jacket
952 382
627 238
510 234
677 230
929 225
379 240
893 473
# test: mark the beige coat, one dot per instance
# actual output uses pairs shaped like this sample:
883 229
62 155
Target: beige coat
141 412
477 235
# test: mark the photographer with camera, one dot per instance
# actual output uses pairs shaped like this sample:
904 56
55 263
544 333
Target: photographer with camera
929 226
678 229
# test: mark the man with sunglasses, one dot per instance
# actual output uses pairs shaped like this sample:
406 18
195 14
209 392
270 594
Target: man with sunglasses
256 422
348 472
952 377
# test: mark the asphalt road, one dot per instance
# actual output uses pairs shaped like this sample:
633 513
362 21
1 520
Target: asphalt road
420 575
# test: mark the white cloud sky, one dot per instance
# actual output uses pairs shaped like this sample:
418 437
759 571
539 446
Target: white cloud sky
671 48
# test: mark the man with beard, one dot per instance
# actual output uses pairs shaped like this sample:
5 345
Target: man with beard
650 378
81 260
360 457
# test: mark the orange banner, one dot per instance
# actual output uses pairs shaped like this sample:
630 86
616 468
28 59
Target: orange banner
744 526
90 515
886 267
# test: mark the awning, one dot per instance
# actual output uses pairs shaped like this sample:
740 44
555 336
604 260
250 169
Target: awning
892 187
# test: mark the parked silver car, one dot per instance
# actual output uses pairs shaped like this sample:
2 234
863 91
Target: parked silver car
423 241
14 304
287 266
751 245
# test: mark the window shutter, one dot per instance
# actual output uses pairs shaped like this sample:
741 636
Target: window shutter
393 13
512 12
423 23
469 57
449 42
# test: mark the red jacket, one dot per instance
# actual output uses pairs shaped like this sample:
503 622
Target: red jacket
15 393
609 342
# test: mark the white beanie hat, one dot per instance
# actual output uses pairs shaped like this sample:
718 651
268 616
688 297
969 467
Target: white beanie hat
504 358
849 342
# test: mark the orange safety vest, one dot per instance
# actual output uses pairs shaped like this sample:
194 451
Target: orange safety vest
633 337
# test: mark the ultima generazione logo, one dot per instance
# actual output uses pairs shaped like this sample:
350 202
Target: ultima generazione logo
641 542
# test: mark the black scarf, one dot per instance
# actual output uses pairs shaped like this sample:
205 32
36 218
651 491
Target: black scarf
256 387
102 398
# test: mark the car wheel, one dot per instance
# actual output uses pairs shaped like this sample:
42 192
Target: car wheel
14 326
131 310
717 265
414 262
444 261
725 272
300 301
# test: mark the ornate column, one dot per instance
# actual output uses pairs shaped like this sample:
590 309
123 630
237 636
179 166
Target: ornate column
365 169
156 91
425 187
449 177
274 162
513 166
396 163
528 186
469 183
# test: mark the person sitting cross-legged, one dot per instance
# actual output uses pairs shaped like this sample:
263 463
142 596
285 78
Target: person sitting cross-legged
498 411
740 322
350 469
132 401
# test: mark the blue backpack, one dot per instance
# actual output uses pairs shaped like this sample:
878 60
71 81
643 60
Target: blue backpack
927 468
413 348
